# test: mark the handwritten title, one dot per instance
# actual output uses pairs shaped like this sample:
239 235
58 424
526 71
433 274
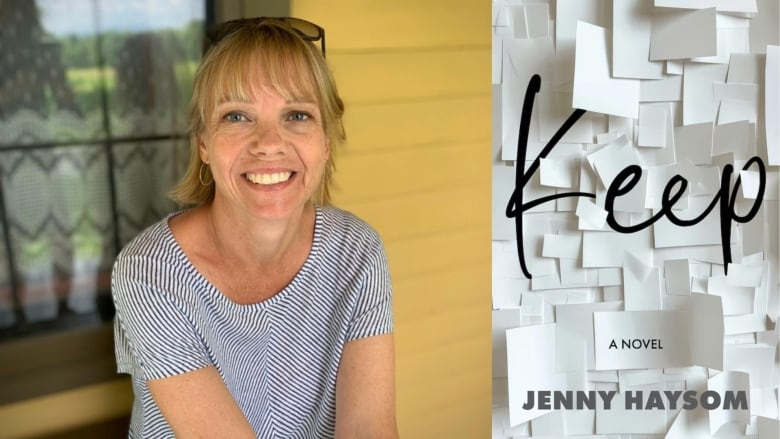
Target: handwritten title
725 198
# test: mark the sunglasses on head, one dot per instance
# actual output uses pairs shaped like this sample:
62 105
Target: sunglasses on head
306 29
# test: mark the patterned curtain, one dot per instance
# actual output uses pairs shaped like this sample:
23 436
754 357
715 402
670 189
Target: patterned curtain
92 135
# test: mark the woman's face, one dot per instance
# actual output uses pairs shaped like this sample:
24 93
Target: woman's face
267 154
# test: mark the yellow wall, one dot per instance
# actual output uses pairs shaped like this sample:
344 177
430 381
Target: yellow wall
415 76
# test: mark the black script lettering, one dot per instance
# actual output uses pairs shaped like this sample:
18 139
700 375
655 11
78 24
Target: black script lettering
629 177
516 206
621 185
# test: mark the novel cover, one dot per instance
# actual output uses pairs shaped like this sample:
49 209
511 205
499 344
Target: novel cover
636 224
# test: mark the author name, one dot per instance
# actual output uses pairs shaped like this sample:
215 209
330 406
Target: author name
636 400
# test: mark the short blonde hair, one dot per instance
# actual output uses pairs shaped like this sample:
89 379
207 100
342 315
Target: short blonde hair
294 68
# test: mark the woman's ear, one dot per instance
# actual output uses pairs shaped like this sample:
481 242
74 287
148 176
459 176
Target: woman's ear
327 150
204 155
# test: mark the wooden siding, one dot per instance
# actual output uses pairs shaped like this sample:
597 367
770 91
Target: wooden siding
415 77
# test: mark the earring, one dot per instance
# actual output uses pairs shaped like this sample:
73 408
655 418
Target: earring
200 175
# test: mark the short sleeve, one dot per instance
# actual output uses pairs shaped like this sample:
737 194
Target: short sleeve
373 314
153 334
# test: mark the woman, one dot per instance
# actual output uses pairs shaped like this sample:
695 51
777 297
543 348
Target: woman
260 312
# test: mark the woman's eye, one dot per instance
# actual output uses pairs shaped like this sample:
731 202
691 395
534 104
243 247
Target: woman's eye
299 116
235 117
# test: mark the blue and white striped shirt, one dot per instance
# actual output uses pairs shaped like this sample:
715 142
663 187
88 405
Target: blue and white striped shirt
279 358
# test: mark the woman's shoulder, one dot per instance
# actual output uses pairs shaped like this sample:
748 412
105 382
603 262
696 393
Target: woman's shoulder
343 224
348 241
156 242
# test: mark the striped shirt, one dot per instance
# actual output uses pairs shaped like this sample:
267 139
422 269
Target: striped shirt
279 358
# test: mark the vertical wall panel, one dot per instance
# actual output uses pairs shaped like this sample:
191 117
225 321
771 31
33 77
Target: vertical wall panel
415 77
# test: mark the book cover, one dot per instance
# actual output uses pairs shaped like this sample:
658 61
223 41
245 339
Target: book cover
635 219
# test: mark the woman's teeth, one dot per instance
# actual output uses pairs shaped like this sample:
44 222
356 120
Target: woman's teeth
268 179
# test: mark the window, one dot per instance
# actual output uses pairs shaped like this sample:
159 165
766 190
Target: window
93 97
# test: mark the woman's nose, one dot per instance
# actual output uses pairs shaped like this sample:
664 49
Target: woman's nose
268 140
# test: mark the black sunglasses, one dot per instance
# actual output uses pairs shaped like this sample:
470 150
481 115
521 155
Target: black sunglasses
306 29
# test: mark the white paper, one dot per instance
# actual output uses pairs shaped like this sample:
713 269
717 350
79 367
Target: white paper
591 216
690 424
720 5
664 333
736 300
594 88
674 67
496 55
733 137
652 126
562 246
503 185
732 36
631 31
683 34
772 103
530 21
506 291
699 103
661 90
693 143
768 428
525 375
660 339
677 276
575 349
744 68
737 102
558 173
757 360
642 283
607 249
521 60
502 320
745 323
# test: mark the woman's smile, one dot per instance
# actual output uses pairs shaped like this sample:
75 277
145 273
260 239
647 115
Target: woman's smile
268 179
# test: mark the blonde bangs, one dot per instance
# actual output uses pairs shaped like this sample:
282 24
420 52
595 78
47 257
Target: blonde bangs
286 71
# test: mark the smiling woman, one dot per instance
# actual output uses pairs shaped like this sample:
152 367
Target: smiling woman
261 311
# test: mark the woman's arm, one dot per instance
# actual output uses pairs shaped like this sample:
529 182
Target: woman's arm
197 404
365 389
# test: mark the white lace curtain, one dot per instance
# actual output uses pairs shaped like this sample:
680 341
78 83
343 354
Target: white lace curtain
92 134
